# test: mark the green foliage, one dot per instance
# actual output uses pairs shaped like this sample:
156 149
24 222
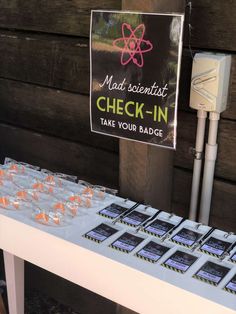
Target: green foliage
109 25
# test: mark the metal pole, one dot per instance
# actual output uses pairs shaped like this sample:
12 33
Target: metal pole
202 115
209 168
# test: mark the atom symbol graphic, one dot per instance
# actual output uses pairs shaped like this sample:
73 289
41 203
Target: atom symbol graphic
132 46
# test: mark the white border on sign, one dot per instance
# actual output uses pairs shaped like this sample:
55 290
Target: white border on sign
178 74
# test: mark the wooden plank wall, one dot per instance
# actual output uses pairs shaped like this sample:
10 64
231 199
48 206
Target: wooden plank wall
44 110
44 86
212 29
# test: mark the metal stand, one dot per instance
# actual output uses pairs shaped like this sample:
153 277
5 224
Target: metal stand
209 168
202 115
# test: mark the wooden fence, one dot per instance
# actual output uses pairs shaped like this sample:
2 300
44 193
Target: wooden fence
44 102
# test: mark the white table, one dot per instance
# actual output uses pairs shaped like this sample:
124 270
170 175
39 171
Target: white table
123 278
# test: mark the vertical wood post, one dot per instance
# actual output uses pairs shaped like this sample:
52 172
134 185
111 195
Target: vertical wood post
145 170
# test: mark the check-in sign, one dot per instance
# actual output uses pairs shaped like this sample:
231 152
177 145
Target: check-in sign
135 64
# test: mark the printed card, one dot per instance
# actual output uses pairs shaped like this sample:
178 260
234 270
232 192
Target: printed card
135 218
158 228
211 273
112 211
186 237
180 261
100 233
152 252
127 242
231 285
215 247
233 258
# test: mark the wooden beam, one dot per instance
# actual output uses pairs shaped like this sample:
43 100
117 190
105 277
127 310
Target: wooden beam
61 16
50 111
161 6
45 110
223 199
186 130
213 25
63 63
88 163
47 60
145 170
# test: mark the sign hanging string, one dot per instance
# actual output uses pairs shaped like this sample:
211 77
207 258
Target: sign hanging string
189 5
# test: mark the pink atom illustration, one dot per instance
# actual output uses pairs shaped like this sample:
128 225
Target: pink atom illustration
133 45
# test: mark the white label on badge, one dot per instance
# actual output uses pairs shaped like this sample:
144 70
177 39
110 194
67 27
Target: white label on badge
97 236
211 249
149 255
208 276
109 213
123 245
233 257
183 240
176 265
231 286
131 221
155 231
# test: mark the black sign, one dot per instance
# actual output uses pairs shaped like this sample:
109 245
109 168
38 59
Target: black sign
135 64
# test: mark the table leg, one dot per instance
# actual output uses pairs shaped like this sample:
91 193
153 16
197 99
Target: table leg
14 269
